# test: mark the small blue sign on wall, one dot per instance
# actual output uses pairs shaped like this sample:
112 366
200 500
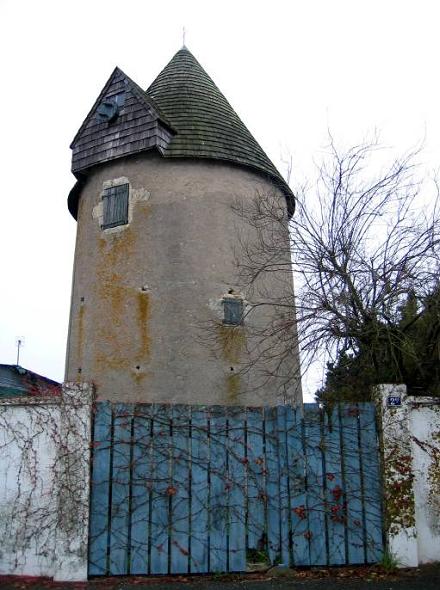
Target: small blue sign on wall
394 401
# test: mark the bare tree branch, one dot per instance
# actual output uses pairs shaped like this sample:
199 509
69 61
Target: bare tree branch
360 244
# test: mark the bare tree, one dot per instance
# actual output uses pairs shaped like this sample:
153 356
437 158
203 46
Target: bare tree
361 242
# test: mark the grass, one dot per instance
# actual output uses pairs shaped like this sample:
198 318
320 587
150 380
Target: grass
390 563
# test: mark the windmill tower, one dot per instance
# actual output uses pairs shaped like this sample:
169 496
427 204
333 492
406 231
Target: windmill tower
157 311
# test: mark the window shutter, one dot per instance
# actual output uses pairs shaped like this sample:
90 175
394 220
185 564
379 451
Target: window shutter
233 311
115 201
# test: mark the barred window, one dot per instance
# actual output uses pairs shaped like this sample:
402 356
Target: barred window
115 201
233 311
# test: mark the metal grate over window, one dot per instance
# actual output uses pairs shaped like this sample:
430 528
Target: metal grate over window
115 201
233 311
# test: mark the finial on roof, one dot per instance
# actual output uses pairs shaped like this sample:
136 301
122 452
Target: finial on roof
183 38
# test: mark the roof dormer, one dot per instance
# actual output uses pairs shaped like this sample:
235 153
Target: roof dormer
123 121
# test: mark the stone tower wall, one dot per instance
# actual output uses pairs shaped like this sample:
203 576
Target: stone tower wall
146 313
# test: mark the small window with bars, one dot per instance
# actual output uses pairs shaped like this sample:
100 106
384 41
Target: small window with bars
115 203
233 311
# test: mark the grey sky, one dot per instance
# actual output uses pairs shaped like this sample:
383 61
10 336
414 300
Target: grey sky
290 69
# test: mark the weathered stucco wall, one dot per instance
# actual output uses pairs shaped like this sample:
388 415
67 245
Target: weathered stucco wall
146 315
411 446
44 484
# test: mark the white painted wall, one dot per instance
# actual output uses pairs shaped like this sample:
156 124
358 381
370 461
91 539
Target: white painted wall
411 446
425 441
44 484
27 508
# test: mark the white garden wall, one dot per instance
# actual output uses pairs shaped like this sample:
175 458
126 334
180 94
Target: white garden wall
44 484
411 445
45 465
425 441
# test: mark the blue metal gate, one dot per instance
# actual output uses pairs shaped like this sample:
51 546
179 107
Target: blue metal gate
192 489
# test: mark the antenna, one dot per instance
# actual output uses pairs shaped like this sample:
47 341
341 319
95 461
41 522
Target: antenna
19 343
183 36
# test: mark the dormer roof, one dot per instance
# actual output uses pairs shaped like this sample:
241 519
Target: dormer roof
138 126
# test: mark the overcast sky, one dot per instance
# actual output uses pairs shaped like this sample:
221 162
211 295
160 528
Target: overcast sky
290 69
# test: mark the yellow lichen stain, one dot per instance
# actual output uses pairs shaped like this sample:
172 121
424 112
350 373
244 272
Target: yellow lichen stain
116 248
116 295
102 243
121 321
232 340
143 309
114 298
110 361
111 324
139 377
142 211
233 386
80 333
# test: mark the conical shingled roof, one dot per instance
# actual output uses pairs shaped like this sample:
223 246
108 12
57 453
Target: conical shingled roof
206 124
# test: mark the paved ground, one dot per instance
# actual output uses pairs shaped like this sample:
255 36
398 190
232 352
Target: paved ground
424 578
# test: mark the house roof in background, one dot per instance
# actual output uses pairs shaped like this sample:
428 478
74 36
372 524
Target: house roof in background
16 381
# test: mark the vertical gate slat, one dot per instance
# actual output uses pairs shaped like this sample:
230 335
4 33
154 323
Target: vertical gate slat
237 481
371 483
272 484
199 491
180 491
141 474
255 479
335 513
352 478
120 516
315 499
297 484
99 503
160 490
284 485
218 537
